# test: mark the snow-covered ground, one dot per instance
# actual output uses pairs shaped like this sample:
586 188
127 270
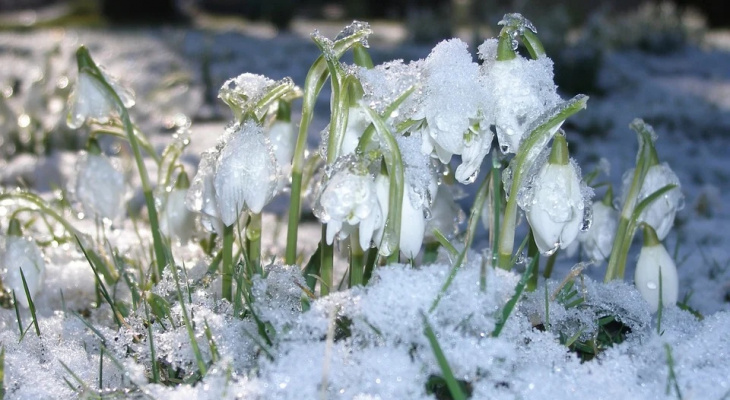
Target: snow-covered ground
369 342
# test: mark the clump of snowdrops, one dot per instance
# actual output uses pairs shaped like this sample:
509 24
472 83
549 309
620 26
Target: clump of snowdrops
403 139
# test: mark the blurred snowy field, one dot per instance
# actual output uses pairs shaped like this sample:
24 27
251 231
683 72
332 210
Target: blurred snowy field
684 94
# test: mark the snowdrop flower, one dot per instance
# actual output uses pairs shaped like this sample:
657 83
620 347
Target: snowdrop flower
660 213
446 215
556 208
22 253
200 197
357 122
452 108
247 93
520 90
176 220
90 98
98 184
348 201
246 175
654 258
413 221
597 241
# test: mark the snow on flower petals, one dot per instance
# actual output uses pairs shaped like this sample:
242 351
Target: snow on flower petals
521 90
556 209
452 103
245 173
99 186
661 212
347 200
91 100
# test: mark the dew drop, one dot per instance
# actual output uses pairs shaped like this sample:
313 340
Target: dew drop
651 285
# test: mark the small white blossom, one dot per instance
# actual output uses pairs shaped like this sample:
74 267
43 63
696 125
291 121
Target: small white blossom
446 215
91 100
99 186
660 213
201 198
453 108
357 122
175 219
348 201
556 212
23 253
653 259
597 241
520 91
246 176
413 221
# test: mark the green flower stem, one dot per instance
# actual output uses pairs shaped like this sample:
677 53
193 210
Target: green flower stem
496 195
650 237
85 63
471 229
549 265
361 56
529 150
227 267
326 266
39 205
316 78
253 242
534 254
391 235
505 52
626 229
357 260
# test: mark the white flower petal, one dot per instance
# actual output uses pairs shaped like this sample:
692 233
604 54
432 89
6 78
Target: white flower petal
245 174
653 259
556 213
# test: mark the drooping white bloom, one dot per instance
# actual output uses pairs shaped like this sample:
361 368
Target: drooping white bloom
175 219
348 201
23 253
556 212
91 100
520 90
246 175
99 186
597 241
201 198
446 215
283 139
654 258
413 221
453 108
660 213
357 122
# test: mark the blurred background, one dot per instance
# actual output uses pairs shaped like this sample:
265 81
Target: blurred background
437 17
176 54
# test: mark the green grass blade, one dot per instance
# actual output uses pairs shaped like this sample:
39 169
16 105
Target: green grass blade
510 305
102 287
31 305
454 388
2 373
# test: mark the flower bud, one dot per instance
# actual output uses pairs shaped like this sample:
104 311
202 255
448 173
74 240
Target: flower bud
176 220
557 208
653 261
597 241
99 185
661 212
